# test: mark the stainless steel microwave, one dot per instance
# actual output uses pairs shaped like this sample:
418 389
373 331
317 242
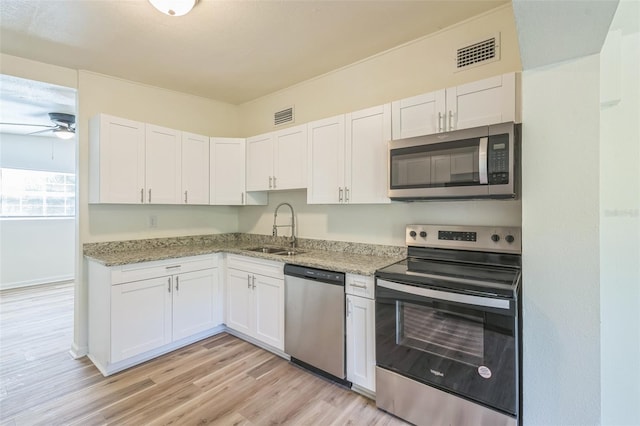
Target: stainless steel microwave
482 162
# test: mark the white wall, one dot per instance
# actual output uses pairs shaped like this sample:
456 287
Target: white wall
36 250
620 221
374 224
560 223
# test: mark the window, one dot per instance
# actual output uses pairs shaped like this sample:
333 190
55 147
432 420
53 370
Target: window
36 193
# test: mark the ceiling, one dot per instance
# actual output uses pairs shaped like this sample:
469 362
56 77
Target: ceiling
232 51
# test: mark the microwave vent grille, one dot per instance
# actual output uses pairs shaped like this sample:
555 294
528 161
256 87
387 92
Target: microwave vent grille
478 53
283 116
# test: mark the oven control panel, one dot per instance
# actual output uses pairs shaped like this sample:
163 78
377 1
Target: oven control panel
482 238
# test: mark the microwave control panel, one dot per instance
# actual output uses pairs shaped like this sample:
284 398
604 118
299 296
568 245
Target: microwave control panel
498 167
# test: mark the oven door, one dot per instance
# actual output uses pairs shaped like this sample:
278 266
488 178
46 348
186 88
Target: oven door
460 343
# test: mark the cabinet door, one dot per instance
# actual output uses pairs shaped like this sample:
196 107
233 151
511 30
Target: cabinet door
325 151
290 158
239 301
227 171
116 160
367 137
163 149
418 115
195 169
194 302
260 162
361 346
483 102
269 310
140 317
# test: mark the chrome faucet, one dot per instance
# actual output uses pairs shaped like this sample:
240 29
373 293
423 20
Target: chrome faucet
292 226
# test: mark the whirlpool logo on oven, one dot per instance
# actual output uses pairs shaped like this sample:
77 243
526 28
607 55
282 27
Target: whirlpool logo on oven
436 373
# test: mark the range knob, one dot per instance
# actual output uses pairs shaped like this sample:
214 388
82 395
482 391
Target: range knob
495 238
423 234
412 234
509 238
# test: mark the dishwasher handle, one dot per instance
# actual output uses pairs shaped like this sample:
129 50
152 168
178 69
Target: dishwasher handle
320 275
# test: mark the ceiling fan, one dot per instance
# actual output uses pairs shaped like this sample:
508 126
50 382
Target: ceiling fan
63 125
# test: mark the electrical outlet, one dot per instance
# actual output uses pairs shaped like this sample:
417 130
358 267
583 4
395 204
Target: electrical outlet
153 221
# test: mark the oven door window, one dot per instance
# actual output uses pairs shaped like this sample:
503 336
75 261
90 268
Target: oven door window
436 165
464 349
455 336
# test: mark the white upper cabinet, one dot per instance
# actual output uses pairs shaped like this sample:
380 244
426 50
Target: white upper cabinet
483 102
227 160
117 160
277 160
367 135
326 157
348 158
290 158
418 115
163 153
259 166
195 169
489 101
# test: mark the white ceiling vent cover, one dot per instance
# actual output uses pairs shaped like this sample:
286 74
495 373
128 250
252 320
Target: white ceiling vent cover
478 53
283 117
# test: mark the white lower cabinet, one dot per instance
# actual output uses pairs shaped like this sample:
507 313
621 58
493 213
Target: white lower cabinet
361 348
255 299
139 311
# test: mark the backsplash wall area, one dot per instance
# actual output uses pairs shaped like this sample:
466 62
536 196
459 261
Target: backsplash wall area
375 224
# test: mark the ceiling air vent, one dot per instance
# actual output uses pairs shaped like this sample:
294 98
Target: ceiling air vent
479 53
283 117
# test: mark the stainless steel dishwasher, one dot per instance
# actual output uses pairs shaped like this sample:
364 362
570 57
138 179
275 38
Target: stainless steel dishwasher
314 334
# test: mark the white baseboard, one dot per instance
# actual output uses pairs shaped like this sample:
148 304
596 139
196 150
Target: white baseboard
39 281
78 352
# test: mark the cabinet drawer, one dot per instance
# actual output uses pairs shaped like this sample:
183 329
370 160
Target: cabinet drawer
256 266
360 285
147 270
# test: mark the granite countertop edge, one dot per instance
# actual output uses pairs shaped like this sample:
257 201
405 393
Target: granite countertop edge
353 258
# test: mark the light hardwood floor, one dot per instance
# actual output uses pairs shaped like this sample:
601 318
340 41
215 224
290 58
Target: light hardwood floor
221 380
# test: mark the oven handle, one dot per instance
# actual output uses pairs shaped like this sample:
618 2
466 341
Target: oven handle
447 296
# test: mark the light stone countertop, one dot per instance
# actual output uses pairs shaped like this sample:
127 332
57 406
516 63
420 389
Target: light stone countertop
356 258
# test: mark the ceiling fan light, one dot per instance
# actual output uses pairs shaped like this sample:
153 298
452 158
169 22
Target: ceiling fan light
173 7
63 133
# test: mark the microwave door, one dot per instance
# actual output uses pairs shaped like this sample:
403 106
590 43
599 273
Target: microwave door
440 170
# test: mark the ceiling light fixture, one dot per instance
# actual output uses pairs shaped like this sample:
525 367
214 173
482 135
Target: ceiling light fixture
64 133
173 7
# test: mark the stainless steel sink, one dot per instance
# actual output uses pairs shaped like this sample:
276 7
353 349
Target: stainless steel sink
280 251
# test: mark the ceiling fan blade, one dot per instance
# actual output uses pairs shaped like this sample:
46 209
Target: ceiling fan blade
24 124
41 131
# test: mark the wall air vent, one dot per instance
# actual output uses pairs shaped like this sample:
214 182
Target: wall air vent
283 117
478 53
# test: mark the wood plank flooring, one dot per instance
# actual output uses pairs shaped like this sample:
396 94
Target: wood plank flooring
220 381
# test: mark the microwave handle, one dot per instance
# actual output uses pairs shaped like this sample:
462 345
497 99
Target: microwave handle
482 160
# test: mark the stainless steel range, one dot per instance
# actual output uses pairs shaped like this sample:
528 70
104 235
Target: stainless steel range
448 346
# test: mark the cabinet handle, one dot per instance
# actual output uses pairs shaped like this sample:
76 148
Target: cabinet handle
149 194
177 283
185 197
346 194
348 307
248 281
439 122
340 194
169 285
172 267
242 198
274 182
141 195
358 285
450 120
270 178
253 285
